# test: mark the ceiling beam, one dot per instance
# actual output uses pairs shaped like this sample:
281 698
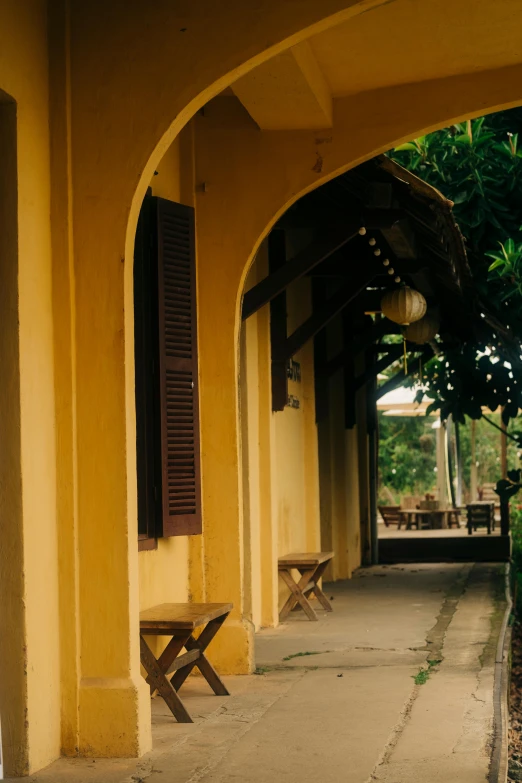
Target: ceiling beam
331 238
399 377
360 343
337 302
394 353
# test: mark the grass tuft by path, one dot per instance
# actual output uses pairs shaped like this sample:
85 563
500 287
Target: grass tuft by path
424 672
303 654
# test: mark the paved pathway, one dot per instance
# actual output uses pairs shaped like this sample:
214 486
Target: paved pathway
396 685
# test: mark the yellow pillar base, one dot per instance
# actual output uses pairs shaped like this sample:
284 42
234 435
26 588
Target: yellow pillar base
114 718
232 651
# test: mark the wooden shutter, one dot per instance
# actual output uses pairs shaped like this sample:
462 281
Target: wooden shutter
178 370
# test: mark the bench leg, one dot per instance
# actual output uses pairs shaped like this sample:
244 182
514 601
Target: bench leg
323 600
160 683
297 596
203 664
171 651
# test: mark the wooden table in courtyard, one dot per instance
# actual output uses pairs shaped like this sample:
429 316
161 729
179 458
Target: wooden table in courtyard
311 566
179 621
430 518
418 517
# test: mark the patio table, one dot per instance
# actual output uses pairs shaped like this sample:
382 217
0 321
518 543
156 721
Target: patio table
179 621
415 516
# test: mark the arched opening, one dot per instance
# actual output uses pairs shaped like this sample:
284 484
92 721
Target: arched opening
242 111
246 173
314 341
245 178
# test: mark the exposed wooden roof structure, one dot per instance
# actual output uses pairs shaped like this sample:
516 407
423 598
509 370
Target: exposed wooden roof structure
371 229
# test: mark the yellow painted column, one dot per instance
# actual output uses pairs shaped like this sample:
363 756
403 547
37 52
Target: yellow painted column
267 469
364 477
218 332
338 477
64 363
257 433
29 641
13 688
114 700
310 451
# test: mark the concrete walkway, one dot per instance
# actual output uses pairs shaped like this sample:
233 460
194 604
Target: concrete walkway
395 685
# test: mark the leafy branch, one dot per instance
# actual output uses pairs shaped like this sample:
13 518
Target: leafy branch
478 166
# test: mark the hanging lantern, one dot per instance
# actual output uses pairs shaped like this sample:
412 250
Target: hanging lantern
424 330
403 305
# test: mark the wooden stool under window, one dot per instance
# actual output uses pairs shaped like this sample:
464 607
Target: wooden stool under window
311 566
179 621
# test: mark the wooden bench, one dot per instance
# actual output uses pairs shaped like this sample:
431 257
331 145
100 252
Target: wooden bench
311 566
179 621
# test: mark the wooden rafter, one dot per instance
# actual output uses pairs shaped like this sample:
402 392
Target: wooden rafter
360 343
332 238
328 311
329 241
394 352
399 377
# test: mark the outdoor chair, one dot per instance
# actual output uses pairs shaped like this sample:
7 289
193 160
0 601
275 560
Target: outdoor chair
391 515
481 515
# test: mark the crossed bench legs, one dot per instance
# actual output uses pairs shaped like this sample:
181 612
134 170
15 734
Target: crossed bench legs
301 590
169 662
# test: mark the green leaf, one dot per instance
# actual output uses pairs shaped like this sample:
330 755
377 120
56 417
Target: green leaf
408 147
495 264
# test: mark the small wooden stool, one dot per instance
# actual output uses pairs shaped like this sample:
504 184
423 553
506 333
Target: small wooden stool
311 566
179 622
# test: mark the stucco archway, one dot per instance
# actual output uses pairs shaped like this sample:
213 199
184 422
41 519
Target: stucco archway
124 113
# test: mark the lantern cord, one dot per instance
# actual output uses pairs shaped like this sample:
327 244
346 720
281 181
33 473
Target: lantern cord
405 357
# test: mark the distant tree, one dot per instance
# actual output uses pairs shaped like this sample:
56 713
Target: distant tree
407 458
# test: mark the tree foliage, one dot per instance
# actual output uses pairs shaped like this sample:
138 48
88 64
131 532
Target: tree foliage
478 166
407 455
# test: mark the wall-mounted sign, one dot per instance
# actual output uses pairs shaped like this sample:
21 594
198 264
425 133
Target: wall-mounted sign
293 375
293 371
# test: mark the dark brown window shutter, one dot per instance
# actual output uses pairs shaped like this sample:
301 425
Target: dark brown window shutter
178 370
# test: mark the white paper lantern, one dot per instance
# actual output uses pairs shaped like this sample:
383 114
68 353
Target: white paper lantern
424 330
403 305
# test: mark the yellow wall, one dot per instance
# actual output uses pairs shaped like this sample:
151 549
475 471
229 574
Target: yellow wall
29 689
339 458
280 471
68 472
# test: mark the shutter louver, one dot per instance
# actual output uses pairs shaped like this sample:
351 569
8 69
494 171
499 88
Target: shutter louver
178 370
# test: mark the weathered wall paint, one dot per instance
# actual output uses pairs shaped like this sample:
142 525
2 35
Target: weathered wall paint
281 449
117 104
236 167
30 688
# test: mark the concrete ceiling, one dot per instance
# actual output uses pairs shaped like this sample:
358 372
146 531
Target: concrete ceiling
400 42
